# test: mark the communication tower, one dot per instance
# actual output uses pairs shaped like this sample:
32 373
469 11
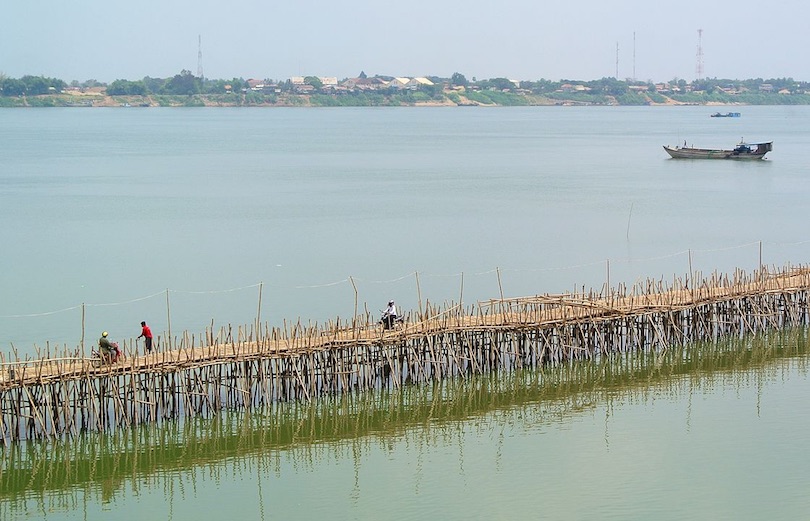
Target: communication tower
634 56
699 66
199 57
617 60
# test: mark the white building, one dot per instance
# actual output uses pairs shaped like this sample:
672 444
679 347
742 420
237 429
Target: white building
418 82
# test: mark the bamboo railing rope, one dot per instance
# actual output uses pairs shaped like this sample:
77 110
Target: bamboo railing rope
66 393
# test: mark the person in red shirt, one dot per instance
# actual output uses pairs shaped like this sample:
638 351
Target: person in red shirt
146 333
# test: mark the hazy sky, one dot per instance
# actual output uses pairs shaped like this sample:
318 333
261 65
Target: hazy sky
518 39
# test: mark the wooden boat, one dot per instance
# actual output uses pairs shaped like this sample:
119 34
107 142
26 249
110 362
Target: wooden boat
726 115
741 151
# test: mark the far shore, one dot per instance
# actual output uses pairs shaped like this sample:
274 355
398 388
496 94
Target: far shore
449 99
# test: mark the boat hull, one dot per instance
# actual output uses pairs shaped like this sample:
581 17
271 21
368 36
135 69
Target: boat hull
707 153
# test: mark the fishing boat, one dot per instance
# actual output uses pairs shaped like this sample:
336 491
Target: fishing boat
726 115
741 151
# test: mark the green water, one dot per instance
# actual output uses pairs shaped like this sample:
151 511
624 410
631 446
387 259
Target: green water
711 432
175 216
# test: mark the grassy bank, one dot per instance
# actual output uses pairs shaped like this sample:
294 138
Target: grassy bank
402 98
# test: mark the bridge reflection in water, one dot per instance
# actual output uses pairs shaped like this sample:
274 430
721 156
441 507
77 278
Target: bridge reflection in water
57 475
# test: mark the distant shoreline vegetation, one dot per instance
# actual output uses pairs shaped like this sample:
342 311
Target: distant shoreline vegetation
187 90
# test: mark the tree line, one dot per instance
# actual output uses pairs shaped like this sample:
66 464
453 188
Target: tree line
30 86
630 91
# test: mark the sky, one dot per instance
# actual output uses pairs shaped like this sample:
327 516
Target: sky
517 39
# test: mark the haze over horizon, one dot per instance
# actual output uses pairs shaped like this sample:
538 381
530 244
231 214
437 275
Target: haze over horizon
517 39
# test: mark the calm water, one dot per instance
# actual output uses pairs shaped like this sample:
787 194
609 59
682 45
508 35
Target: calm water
179 214
121 208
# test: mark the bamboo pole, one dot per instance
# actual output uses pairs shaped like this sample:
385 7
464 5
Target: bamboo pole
83 317
259 314
354 320
169 319
58 386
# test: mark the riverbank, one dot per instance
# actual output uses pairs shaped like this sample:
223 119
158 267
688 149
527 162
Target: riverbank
492 98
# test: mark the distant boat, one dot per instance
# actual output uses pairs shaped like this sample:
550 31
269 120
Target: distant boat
741 151
726 115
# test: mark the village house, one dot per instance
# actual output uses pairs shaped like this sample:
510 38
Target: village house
398 83
415 83
363 83
262 86
303 88
567 87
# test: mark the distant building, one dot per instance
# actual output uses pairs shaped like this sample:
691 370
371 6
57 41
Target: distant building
568 87
325 80
399 83
415 83
259 86
363 83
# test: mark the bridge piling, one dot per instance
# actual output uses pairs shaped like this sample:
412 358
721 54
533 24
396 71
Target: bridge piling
47 396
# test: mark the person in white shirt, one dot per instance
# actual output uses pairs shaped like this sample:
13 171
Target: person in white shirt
389 315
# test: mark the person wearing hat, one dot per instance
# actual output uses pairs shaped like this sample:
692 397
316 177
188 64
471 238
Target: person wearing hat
389 315
109 350
146 333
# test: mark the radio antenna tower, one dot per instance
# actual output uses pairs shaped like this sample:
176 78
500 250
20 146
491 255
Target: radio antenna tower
634 56
617 60
199 57
699 66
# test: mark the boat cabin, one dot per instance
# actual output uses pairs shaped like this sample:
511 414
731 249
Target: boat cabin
753 148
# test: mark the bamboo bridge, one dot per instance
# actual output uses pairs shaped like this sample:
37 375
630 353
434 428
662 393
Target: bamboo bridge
68 394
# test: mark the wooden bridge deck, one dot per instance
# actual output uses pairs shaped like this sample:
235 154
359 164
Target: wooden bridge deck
67 395
513 314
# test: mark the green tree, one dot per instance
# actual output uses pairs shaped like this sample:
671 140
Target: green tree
540 86
183 84
126 88
12 87
35 85
91 83
502 84
154 85
434 91
459 80
608 86
214 86
314 81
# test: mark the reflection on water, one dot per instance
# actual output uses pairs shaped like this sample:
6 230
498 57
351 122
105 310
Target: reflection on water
93 470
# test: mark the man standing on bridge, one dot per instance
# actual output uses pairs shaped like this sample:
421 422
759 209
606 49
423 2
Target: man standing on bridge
146 333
